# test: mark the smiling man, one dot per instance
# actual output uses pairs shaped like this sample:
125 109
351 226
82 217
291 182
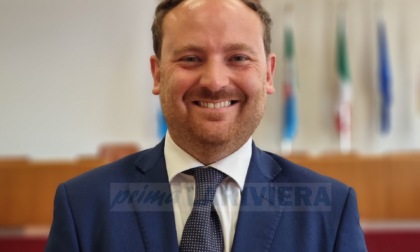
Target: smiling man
213 74
206 186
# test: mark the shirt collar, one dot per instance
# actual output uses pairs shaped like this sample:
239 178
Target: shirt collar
235 165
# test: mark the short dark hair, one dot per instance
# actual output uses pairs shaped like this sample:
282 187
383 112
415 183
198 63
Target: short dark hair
167 5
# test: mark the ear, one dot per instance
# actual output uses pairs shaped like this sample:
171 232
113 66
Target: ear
271 67
155 68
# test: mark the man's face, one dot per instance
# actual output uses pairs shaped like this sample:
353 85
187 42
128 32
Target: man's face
213 75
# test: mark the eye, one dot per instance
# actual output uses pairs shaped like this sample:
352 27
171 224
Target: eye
239 58
190 59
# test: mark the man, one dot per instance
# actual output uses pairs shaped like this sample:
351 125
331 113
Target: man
212 69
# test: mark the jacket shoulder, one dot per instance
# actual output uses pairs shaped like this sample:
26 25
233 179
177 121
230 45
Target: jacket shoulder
124 170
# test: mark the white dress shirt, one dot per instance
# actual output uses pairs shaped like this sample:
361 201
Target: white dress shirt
228 194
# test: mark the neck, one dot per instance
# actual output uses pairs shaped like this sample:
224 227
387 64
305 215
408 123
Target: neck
209 153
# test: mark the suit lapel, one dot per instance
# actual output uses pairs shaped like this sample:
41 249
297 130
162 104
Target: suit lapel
151 197
259 213
258 218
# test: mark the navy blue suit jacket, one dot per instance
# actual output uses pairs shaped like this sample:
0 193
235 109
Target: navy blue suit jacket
284 207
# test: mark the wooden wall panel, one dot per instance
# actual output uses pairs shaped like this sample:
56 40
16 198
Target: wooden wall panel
27 190
404 195
387 187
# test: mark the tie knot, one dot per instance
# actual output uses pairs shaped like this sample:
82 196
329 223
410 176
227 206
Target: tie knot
207 179
207 175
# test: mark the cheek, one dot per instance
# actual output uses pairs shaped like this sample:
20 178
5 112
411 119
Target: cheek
176 84
252 85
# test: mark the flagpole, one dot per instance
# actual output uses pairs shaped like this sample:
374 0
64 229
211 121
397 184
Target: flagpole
286 147
379 9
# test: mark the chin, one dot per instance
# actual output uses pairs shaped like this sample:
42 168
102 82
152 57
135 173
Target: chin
213 138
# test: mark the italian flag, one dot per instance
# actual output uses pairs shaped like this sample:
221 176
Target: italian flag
290 113
343 111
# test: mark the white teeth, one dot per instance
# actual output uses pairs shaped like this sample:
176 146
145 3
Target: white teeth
216 105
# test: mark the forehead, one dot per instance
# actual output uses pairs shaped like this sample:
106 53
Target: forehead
212 19
209 10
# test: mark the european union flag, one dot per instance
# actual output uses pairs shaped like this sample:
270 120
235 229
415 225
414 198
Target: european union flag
385 80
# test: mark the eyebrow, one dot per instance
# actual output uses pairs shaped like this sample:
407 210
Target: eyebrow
187 48
228 48
239 47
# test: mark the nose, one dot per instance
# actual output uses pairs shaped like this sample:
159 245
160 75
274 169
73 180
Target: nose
214 74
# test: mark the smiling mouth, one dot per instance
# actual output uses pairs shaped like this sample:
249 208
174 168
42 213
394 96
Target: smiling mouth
215 105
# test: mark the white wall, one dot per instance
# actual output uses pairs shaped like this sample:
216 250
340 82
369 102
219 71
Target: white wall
74 74
315 34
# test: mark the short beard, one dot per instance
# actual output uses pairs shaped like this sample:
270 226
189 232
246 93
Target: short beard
209 147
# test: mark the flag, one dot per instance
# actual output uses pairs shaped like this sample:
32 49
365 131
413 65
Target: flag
343 113
290 113
385 80
161 122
